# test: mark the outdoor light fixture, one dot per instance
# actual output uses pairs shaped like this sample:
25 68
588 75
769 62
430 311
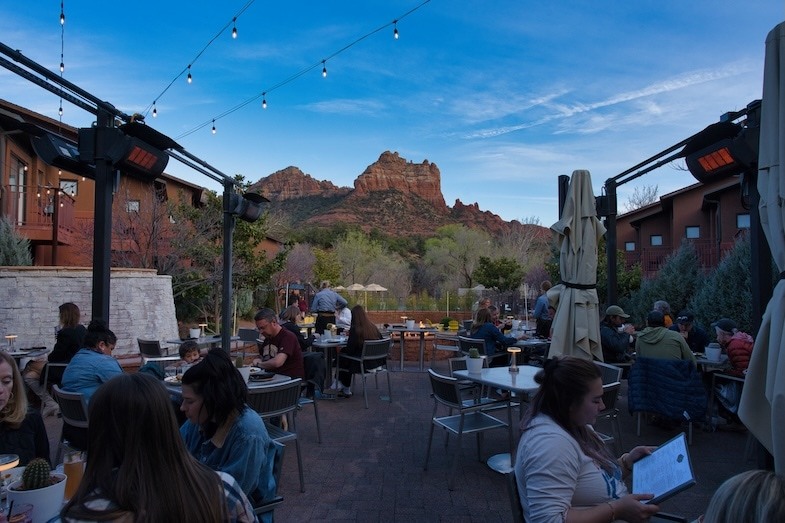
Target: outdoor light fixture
134 148
59 152
724 148
247 207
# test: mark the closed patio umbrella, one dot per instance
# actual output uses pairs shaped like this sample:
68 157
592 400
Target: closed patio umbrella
576 325
762 407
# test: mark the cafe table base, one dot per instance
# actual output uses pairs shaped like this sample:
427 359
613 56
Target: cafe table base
500 462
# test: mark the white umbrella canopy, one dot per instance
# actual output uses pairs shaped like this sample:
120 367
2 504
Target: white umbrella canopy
576 325
762 407
355 287
374 287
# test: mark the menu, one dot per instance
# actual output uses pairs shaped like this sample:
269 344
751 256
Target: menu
665 472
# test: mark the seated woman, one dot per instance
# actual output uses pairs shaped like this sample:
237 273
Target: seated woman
563 469
289 318
484 329
360 330
93 364
755 496
221 430
22 430
138 468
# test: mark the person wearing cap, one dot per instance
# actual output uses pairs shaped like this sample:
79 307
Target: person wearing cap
736 344
655 341
615 336
696 337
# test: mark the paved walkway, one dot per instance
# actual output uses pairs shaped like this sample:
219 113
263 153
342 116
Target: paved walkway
370 464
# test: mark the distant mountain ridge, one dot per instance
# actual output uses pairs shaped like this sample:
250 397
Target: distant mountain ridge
397 196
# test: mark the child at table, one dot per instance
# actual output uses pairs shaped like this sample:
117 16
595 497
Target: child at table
189 352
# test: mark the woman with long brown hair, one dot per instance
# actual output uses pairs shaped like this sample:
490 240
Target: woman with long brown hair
22 430
138 467
360 330
563 469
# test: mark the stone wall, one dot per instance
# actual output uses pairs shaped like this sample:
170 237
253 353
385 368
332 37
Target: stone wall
141 304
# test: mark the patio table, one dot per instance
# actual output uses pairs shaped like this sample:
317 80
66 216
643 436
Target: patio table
521 382
330 349
203 341
422 331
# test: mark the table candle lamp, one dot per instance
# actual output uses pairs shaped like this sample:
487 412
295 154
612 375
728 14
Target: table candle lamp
8 461
514 365
10 338
202 326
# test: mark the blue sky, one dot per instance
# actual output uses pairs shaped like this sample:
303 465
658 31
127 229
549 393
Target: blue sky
502 95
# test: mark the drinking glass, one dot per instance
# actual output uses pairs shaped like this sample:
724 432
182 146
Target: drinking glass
73 468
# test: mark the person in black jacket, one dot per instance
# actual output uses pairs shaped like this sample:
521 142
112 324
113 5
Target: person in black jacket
696 337
70 338
289 318
22 430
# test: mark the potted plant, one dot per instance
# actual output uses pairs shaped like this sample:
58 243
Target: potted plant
239 362
474 361
40 487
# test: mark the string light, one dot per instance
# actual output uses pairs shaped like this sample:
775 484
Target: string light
234 28
60 110
395 31
62 53
190 78
155 111
213 125
298 74
62 14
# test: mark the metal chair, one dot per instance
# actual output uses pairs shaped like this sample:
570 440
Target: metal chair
515 497
60 366
247 337
73 409
151 350
276 401
315 366
444 342
372 350
268 505
610 373
465 343
611 384
469 420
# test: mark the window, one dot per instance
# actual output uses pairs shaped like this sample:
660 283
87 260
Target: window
743 221
692 232
132 206
629 246
656 239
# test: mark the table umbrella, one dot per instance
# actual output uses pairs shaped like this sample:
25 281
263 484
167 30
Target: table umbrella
576 325
762 407
373 287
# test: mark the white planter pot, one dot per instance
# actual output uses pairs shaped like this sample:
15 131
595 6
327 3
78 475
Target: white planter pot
46 501
194 333
245 372
474 365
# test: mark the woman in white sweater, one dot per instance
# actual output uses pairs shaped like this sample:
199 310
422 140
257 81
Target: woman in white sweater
564 471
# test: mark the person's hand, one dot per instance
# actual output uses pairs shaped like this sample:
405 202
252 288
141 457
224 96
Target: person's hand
257 362
638 453
630 508
629 328
685 334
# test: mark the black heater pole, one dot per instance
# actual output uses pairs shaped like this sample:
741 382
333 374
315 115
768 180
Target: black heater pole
102 239
226 298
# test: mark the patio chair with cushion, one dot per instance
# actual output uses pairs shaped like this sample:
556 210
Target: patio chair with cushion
470 419
280 401
373 351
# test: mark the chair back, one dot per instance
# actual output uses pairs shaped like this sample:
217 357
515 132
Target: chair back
376 349
467 325
515 497
315 368
73 407
670 388
610 393
150 348
446 390
275 400
465 343
460 364
445 342
248 335
610 373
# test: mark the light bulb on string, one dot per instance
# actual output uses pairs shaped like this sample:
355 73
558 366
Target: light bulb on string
82 178
214 131
62 14
190 78
155 111
62 67
264 101
395 30
60 110
234 27
324 69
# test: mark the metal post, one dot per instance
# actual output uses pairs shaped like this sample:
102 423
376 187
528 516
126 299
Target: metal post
226 294
564 184
610 240
102 246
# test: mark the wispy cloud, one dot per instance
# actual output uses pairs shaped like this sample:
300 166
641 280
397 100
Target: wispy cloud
346 106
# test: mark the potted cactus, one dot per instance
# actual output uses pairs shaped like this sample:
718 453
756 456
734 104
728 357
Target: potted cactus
239 362
40 487
474 361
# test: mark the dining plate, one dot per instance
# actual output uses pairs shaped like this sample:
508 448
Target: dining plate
262 376
174 380
255 370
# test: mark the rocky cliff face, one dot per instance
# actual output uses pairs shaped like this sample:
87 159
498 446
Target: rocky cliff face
394 195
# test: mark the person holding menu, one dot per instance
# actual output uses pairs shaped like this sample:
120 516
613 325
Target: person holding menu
563 469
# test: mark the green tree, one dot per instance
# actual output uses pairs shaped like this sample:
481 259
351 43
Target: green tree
327 266
14 248
357 253
454 252
503 274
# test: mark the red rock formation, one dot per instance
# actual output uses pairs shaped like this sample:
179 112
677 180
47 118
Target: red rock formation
391 172
291 183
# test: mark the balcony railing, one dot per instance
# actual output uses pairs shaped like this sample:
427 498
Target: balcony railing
36 210
651 258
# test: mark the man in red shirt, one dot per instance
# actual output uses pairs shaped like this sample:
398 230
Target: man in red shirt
280 352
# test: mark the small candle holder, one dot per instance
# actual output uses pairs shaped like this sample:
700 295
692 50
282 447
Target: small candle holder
514 357
202 326
11 338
